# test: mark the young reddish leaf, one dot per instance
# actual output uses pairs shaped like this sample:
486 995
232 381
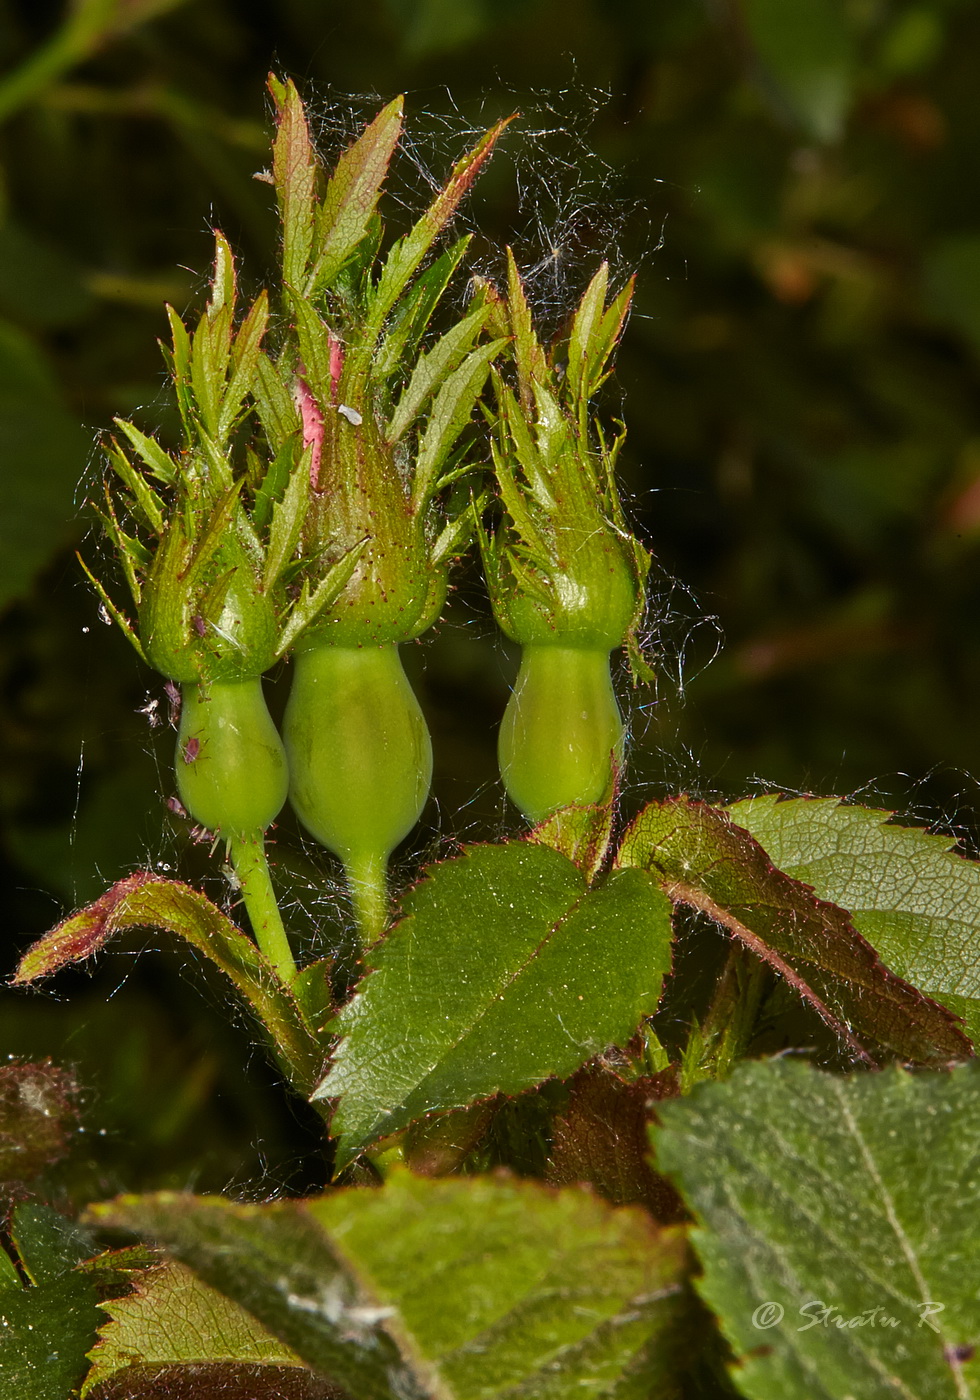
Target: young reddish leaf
601 1137
911 894
583 834
294 167
407 254
352 194
702 859
144 900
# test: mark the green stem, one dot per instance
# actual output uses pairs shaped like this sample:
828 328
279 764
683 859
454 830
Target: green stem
252 868
368 882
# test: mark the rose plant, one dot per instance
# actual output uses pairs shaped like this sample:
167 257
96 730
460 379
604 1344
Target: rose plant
642 1101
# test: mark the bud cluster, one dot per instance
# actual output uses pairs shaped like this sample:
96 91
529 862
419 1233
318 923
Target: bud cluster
305 511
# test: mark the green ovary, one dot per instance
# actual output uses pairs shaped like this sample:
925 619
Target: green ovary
360 760
562 733
231 765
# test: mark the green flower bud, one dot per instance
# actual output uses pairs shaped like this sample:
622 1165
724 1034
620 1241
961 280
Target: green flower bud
383 418
566 577
561 739
231 764
360 760
206 623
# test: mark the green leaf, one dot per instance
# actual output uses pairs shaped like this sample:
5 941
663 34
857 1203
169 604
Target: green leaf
275 1262
37 1117
278 413
431 370
288 515
705 861
173 1320
809 48
143 900
294 167
157 462
411 316
352 194
490 1287
504 971
858 1195
532 364
912 896
145 499
46 1328
587 320
604 338
407 254
245 358
450 414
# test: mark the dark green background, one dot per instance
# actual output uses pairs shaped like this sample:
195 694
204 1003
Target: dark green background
795 182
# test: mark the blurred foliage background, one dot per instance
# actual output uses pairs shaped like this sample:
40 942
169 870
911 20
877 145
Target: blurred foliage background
794 180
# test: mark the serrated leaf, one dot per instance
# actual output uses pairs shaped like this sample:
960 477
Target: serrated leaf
431 369
856 1195
450 413
504 971
352 194
45 1329
529 357
172 1319
704 860
37 1117
145 900
245 358
912 896
277 412
587 319
309 605
114 611
276 1263
490 1287
156 460
144 497
288 515
407 254
411 316
604 337
294 167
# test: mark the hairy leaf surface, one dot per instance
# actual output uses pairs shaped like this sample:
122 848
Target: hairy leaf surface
47 1327
460 1289
505 971
911 895
145 900
840 1227
705 861
172 1319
